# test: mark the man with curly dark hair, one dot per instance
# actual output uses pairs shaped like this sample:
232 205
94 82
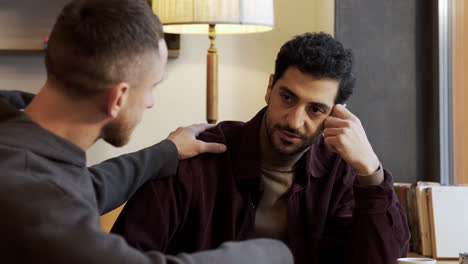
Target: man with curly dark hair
302 171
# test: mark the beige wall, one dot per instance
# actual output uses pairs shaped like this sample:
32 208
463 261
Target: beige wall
245 63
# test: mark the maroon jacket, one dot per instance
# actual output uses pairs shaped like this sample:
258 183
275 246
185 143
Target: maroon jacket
213 198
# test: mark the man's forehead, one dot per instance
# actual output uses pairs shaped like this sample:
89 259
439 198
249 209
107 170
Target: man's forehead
308 87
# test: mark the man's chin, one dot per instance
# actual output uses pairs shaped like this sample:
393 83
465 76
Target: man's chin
116 137
117 141
289 149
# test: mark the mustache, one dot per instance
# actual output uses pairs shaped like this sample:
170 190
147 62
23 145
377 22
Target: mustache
291 130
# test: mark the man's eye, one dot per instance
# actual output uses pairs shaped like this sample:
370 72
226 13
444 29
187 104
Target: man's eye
316 110
286 98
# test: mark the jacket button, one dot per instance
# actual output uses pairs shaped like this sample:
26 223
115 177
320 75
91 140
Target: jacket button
252 205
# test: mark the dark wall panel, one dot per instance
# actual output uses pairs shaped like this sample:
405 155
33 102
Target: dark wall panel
393 51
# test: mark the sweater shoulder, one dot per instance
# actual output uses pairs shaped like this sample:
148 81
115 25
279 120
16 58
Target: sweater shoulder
224 132
206 166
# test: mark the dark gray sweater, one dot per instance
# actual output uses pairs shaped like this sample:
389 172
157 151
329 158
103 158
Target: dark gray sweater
50 202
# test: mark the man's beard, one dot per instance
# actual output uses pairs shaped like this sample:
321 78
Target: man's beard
280 145
117 132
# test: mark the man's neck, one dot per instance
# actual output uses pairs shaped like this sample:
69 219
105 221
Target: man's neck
77 121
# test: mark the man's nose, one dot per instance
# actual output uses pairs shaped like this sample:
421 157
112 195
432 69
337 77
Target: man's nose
296 118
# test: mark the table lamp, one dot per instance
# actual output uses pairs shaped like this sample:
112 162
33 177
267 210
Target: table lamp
214 17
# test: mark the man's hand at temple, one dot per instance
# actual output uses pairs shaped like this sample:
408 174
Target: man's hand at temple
345 135
189 146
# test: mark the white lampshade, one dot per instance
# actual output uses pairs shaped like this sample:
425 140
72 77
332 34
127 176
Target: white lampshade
230 16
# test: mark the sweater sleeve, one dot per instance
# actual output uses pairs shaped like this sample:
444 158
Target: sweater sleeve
371 223
117 179
53 227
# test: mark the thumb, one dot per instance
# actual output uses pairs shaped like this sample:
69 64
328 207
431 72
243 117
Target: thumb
212 147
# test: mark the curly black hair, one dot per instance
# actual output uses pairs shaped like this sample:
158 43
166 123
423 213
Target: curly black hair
320 55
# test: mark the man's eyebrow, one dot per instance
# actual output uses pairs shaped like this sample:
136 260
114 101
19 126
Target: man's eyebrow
286 90
317 104
321 105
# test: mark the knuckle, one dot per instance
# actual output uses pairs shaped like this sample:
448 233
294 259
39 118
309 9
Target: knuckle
200 147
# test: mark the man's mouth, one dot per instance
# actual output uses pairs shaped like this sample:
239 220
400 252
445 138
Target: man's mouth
288 136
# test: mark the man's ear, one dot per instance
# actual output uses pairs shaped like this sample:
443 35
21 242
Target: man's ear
117 97
270 87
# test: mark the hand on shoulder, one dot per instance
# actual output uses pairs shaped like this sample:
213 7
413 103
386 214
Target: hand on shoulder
188 146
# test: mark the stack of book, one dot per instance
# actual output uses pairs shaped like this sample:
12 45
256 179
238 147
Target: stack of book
437 217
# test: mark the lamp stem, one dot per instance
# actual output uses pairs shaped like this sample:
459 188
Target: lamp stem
212 79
